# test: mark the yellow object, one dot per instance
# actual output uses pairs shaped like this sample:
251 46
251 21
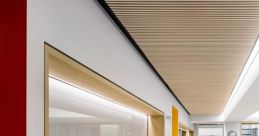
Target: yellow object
175 124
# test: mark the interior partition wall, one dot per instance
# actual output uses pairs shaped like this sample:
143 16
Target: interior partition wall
81 102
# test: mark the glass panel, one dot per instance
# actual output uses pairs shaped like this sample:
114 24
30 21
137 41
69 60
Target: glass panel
210 130
77 112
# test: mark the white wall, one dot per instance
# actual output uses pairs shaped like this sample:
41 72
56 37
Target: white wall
81 29
232 126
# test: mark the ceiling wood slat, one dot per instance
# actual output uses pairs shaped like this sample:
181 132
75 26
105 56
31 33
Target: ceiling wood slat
199 47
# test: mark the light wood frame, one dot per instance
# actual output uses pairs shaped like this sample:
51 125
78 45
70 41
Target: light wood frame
61 66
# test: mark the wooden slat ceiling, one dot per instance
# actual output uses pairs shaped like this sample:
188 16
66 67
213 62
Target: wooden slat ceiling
198 47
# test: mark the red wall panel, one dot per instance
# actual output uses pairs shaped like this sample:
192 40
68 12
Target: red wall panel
13 67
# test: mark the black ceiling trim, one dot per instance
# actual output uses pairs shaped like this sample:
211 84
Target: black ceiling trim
134 43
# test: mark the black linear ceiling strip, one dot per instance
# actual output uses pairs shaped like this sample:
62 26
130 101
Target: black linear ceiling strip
134 43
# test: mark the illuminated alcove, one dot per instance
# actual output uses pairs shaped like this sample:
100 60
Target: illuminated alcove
81 102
